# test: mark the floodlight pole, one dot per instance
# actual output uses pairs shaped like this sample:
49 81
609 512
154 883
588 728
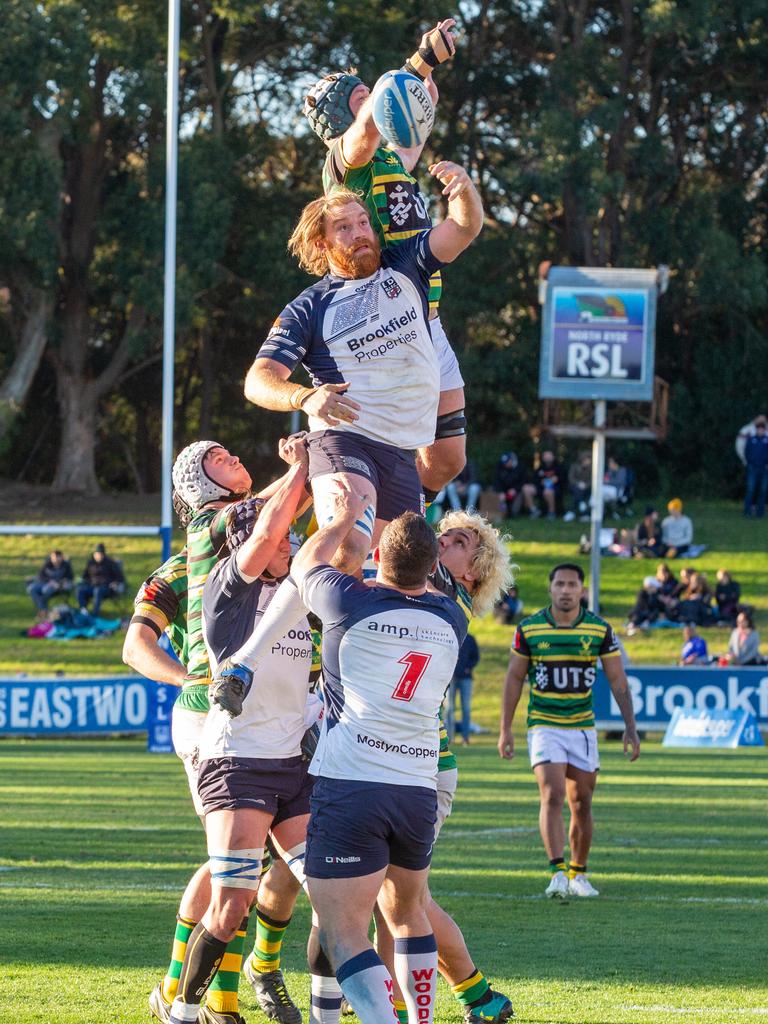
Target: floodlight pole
169 300
598 471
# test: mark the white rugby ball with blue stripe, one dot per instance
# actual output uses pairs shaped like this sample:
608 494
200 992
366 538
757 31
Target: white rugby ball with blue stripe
403 110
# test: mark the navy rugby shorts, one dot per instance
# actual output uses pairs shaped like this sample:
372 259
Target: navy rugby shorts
392 471
279 786
357 828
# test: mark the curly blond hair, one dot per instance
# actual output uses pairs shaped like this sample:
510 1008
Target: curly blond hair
311 228
495 572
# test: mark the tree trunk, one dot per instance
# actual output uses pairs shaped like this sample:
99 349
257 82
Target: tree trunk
76 468
34 335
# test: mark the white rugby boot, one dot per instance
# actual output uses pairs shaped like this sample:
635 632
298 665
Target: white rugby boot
558 887
580 885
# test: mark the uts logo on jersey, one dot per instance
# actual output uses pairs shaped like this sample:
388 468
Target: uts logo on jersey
391 288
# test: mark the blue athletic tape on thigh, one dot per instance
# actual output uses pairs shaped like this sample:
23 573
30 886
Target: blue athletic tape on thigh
237 869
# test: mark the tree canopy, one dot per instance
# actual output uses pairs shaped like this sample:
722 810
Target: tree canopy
623 134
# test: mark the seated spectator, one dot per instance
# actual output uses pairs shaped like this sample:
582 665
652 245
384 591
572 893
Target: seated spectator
55 577
696 601
727 597
580 486
617 488
676 530
694 650
549 483
647 606
744 644
465 489
102 577
668 590
648 542
513 487
509 608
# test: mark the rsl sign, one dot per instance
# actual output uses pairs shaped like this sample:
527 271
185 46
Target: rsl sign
598 334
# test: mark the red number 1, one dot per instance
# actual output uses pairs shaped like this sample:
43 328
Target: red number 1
415 667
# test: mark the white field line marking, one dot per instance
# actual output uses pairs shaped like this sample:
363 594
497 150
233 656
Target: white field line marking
736 901
756 1011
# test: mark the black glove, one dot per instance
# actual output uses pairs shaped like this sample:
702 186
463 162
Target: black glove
437 46
230 687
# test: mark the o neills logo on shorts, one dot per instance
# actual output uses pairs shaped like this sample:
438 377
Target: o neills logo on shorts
392 326
342 860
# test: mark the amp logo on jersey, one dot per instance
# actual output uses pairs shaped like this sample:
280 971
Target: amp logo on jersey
415 667
391 288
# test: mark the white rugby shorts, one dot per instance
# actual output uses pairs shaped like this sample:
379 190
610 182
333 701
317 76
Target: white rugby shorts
186 730
447 782
450 374
577 747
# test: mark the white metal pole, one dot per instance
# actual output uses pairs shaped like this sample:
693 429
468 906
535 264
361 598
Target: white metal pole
598 470
169 302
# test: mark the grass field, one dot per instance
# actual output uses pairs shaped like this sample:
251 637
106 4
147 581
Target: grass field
99 838
740 545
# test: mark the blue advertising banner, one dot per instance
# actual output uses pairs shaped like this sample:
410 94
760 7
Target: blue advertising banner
62 706
658 692
598 334
712 729
161 700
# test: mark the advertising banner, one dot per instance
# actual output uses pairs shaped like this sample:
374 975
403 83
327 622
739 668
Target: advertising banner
712 729
658 692
62 706
598 334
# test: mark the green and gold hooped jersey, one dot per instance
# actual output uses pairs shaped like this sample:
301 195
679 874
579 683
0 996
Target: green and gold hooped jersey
563 666
206 540
161 603
443 581
392 196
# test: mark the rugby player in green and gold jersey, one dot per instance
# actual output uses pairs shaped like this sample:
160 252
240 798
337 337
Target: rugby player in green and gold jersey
340 113
557 650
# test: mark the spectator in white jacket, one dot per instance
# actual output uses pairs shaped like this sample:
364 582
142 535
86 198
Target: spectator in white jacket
748 430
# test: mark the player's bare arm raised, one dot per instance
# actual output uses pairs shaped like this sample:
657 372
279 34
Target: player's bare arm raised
465 212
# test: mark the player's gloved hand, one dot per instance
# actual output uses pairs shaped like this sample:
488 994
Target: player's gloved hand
240 520
230 687
309 742
437 46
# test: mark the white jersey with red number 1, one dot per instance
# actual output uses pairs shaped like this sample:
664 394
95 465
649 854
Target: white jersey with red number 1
387 662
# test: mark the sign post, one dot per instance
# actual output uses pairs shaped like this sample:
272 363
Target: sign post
598 343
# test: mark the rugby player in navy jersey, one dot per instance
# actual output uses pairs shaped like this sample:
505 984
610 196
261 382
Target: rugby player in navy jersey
388 654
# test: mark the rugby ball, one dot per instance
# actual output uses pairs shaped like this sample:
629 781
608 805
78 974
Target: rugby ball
403 110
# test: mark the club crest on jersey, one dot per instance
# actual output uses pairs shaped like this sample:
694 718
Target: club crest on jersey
586 643
391 288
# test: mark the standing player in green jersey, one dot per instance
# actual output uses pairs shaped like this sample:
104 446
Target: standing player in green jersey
557 650
473 569
340 112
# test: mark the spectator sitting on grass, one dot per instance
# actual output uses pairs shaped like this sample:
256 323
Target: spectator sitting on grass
647 606
676 530
55 577
668 590
102 577
696 601
694 650
509 607
727 596
744 644
648 542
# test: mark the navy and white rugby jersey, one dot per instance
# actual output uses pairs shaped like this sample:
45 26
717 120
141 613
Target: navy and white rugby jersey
373 333
387 662
272 722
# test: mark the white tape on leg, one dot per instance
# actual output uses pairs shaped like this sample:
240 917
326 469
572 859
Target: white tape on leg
235 869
